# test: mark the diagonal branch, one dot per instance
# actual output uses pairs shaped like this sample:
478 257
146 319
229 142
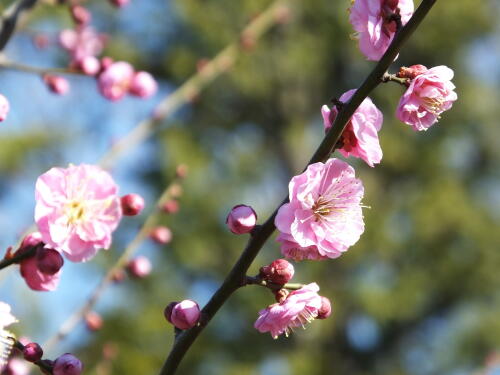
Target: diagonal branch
236 277
9 19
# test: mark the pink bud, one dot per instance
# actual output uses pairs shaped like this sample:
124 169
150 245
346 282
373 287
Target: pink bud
279 272
57 84
41 41
326 308
241 219
80 15
93 321
181 171
32 352
49 261
185 314
161 235
143 85
106 62
90 65
139 267
167 313
118 276
132 204
412 71
67 364
170 207
115 80
4 107
119 3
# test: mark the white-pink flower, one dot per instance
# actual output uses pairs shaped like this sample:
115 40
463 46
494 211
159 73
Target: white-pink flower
324 216
115 81
77 210
299 307
4 107
360 137
429 94
373 24
6 318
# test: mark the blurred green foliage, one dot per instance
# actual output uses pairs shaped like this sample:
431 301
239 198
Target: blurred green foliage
417 295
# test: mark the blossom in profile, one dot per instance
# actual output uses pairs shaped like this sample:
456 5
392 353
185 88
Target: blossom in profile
360 137
297 309
4 107
373 21
429 94
324 217
115 81
77 210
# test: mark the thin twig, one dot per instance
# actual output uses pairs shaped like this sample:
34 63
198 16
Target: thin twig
17 257
394 78
7 64
9 19
220 64
273 286
70 323
236 276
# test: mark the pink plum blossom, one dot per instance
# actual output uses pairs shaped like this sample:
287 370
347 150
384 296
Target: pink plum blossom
16 366
143 85
77 210
429 94
114 82
374 27
298 308
4 107
360 137
82 42
324 217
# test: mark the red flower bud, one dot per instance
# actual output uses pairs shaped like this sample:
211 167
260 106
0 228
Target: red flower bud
93 321
32 352
279 272
185 314
132 204
170 207
67 364
161 235
49 261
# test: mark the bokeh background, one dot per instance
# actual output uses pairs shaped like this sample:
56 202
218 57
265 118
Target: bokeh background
418 294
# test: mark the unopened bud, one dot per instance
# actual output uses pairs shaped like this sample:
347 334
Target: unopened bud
93 321
118 276
181 171
326 308
167 313
139 267
170 207
411 72
279 272
90 65
132 204
161 235
49 261
67 364
185 314
32 352
143 85
80 15
30 241
57 84
106 62
119 3
241 219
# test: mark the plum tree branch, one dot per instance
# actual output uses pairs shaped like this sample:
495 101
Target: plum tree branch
237 275
9 19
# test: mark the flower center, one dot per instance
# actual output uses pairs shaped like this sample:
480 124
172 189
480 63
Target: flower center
349 140
75 211
321 208
433 105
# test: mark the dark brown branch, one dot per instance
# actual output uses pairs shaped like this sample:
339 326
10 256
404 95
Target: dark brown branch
236 277
9 19
17 258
